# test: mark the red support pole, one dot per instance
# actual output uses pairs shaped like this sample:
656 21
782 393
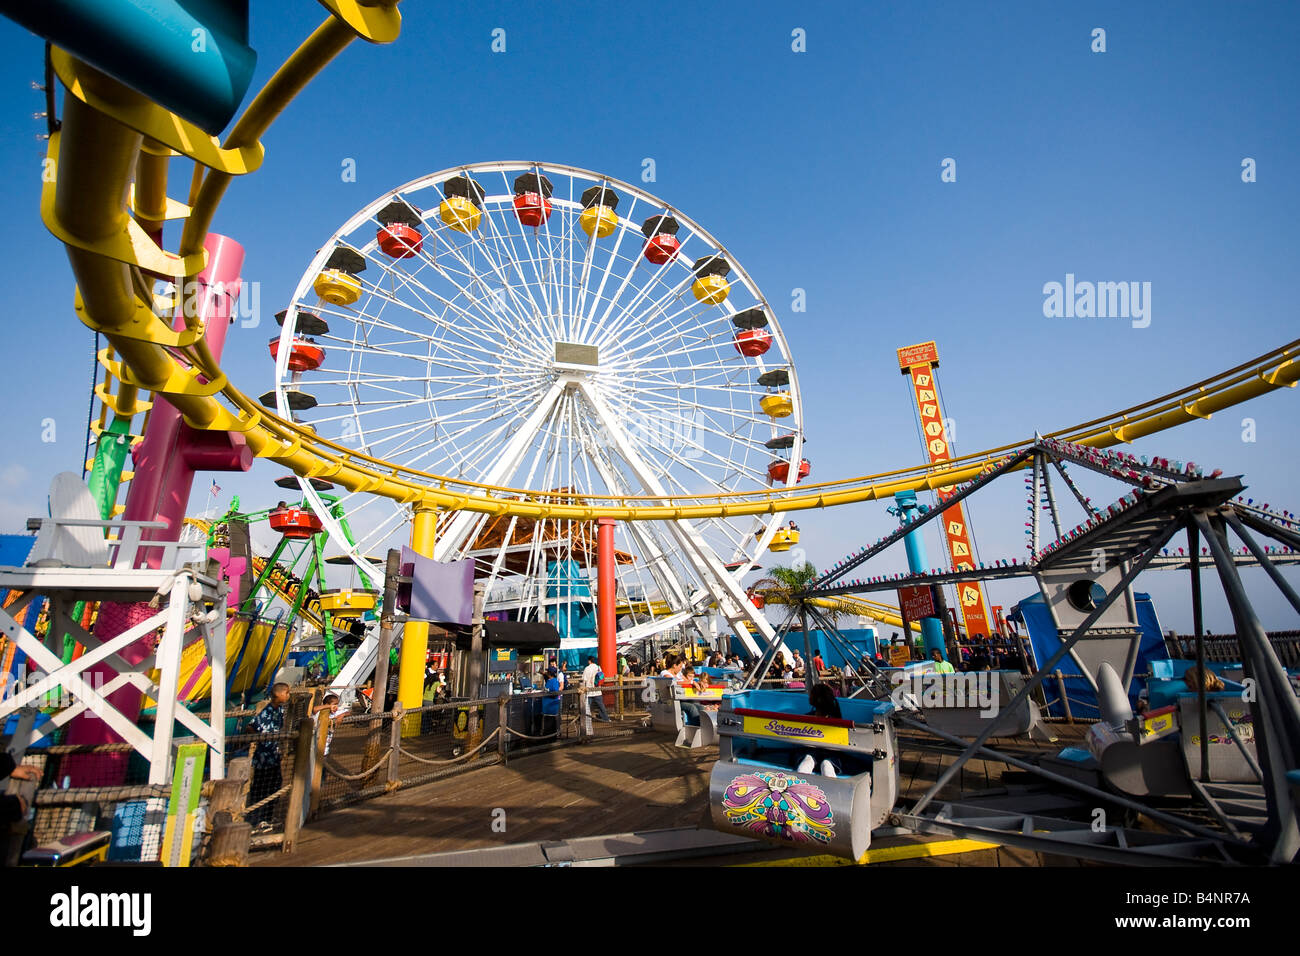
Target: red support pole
605 598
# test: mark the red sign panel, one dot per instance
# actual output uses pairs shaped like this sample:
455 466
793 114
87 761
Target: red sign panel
916 601
974 611
927 353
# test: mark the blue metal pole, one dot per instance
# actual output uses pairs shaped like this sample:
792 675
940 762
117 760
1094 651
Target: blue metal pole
931 627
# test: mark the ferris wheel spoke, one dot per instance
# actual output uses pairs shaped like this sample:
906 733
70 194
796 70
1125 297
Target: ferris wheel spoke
368 411
640 292
499 304
641 356
410 282
383 530
376 351
504 241
486 444
634 312
478 325
428 260
490 351
689 313
447 364
473 327
623 229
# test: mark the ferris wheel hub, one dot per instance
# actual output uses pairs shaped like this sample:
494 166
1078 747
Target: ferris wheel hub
571 356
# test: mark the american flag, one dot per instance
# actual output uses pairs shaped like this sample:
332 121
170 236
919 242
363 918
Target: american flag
216 488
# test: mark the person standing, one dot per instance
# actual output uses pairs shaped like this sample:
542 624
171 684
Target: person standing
551 704
524 685
330 704
592 678
13 807
267 757
940 665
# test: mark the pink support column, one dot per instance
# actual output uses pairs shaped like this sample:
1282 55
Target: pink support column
165 462
606 600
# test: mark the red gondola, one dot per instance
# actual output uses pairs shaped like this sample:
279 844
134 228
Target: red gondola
532 199
304 355
533 209
399 234
296 523
778 472
400 241
661 238
753 342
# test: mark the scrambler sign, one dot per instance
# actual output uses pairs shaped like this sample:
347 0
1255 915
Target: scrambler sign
919 362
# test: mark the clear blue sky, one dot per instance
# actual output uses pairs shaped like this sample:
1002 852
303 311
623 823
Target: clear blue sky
818 170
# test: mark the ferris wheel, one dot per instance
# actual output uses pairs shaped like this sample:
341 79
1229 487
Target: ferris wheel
545 327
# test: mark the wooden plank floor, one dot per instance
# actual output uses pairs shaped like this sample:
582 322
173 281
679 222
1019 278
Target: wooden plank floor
640 782
617 785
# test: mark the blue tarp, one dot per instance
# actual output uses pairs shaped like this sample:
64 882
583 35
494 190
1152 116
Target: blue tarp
576 621
1032 613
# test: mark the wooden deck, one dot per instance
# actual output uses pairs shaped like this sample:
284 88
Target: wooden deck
608 786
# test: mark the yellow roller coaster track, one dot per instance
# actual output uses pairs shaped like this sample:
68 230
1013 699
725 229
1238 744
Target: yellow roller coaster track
112 136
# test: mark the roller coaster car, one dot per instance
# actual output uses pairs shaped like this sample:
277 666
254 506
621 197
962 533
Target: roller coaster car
345 602
756 790
784 540
690 714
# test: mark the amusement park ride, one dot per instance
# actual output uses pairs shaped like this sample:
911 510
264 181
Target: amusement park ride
539 368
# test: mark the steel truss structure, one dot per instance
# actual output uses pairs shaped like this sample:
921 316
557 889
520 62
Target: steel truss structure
1262 821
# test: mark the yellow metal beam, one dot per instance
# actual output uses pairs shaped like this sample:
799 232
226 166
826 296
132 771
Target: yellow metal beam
97 157
887 854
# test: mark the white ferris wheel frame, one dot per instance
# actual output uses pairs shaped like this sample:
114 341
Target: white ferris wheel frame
720 585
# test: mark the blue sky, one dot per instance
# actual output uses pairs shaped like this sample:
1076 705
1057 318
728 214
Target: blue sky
818 170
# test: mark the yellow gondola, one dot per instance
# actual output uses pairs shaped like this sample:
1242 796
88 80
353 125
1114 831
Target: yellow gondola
600 220
337 287
460 214
777 405
346 602
784 539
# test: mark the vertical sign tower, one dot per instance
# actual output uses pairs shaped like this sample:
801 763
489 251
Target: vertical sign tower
919 362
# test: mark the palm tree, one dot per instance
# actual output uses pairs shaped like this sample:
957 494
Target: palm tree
783 585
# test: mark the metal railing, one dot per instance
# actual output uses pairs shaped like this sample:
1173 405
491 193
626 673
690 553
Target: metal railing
1224 647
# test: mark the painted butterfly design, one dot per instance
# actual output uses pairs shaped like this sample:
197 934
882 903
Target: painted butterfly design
779 806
